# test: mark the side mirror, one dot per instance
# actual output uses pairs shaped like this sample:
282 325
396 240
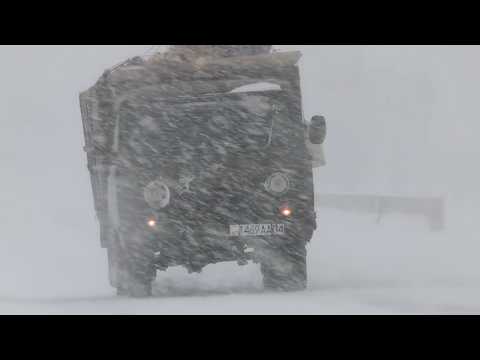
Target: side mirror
317 131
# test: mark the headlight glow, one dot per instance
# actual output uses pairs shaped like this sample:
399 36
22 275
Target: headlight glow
286 211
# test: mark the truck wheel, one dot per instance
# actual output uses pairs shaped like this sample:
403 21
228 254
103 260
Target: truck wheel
139 288
130 272
114 267
285 268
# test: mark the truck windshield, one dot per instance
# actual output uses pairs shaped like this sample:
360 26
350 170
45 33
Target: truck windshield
229 124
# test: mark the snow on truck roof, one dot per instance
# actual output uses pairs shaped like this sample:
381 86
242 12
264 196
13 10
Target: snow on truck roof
257 87
203 64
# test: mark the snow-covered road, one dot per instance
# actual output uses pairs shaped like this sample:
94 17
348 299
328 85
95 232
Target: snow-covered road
355 266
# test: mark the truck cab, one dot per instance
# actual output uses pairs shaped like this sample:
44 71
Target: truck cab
202 155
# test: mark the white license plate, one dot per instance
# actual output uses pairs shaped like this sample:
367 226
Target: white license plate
257 230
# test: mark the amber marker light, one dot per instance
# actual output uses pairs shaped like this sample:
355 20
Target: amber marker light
286 211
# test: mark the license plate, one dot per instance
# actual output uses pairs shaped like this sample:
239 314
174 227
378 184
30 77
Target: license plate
257 230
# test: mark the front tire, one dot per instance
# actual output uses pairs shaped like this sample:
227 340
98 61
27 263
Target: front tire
285 268
131 271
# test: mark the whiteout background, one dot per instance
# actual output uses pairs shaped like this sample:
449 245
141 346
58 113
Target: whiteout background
403 120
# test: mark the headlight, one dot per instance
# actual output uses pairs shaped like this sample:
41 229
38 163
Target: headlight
157 195
277 183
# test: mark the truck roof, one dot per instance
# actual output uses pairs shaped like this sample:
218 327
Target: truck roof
166 69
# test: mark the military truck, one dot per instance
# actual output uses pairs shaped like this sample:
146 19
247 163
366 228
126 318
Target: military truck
198 155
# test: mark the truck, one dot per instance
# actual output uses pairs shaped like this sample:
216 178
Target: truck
199 155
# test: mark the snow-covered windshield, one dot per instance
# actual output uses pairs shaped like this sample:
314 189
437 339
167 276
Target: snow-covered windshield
229 124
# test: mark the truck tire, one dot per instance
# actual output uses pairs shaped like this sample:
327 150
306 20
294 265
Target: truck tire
285 268
131 271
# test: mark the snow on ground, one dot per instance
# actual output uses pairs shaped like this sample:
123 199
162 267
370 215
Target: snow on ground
356 267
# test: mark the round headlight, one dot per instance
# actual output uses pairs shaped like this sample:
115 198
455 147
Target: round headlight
157 194
277 183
